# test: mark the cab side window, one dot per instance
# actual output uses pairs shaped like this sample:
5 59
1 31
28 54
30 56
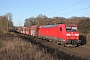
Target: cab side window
60 29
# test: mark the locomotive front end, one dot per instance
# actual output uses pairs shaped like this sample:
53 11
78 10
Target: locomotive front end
72 35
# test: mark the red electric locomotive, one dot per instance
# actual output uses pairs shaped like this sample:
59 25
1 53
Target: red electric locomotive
61 33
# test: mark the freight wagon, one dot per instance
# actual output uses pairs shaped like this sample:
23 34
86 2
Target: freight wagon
28 31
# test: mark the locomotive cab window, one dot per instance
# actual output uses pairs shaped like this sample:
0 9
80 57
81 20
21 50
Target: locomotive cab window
60 29
71 28
68 28
74 28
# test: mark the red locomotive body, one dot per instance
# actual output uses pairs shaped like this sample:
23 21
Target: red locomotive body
61 33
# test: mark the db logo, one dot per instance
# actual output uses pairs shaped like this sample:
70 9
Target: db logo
72 32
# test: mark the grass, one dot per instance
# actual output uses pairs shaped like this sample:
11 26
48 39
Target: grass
16 48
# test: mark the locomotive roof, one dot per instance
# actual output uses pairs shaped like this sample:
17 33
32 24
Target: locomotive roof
47 26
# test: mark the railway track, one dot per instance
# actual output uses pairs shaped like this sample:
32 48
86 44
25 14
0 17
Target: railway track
71 53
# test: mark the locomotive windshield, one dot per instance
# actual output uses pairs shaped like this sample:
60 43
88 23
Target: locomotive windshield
69 28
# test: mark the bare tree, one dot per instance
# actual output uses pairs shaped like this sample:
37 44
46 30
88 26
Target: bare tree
10 18
30 21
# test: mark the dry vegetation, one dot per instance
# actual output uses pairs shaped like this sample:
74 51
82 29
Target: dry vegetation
5 23
88 39
15 48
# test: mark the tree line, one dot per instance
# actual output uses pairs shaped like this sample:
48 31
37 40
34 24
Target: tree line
82 22
6 22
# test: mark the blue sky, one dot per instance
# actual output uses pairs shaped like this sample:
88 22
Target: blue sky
22 9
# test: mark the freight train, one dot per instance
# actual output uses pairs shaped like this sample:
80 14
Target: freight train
63 34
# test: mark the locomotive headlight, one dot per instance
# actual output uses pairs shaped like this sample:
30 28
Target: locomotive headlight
76 34
68 34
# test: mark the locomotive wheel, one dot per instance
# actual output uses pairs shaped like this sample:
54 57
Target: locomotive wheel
59 43
64 45
54 41
42 39
51 40
48 40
